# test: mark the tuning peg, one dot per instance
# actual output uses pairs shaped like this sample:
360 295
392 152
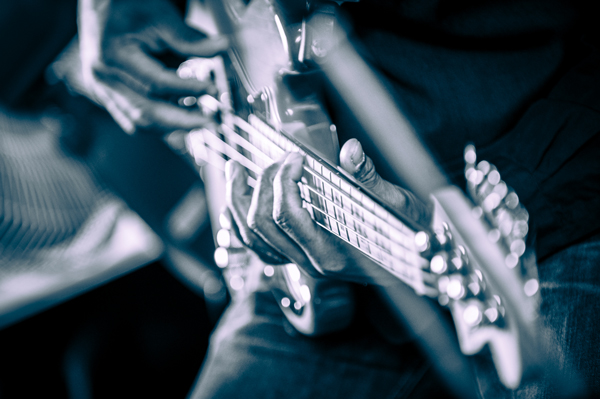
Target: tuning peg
455 288
443 236
473 313
439 263
494 313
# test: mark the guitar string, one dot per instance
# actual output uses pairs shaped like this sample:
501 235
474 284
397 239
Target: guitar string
395 227
406 263
250 147
321 172
249 164
232 153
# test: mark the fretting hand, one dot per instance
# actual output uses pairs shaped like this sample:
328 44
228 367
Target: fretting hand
120 41
272 222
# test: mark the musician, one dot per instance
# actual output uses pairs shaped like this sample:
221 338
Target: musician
516 78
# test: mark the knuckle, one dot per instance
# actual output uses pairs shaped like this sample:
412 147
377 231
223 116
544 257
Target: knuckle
98 71
367 175
141 117
283 218
285 170
257 224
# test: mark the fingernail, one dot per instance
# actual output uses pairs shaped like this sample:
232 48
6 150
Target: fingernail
357 155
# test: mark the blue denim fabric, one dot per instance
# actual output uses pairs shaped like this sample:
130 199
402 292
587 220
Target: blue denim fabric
570 289
255 353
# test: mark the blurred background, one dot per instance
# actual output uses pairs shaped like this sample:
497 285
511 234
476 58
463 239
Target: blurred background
107 283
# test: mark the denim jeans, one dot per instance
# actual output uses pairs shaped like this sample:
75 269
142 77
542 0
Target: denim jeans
570 289
255 353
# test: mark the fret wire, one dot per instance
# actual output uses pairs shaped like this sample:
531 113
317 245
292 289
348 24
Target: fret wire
359 205
418 276
374 214
355 219
324 212
415 267
333 171
367 239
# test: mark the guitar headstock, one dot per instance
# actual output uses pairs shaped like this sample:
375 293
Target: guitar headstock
483 305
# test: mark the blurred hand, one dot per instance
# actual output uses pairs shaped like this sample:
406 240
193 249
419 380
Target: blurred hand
120 41
272 222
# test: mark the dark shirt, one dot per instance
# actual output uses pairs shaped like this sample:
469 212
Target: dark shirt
519 79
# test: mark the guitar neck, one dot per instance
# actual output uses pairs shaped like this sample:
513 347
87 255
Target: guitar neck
334 199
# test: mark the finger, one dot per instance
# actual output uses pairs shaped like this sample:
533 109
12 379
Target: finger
111 106
260 218
142 113
237 196
151 77
291 217
356 162
327 254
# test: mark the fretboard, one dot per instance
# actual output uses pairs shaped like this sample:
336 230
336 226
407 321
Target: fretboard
334 200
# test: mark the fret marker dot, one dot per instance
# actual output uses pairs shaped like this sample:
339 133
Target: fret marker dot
221 257
305 293
285 302
236 283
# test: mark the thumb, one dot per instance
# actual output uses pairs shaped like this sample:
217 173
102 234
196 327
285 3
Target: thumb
354 161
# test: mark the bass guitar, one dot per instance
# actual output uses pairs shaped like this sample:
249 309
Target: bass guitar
260 119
